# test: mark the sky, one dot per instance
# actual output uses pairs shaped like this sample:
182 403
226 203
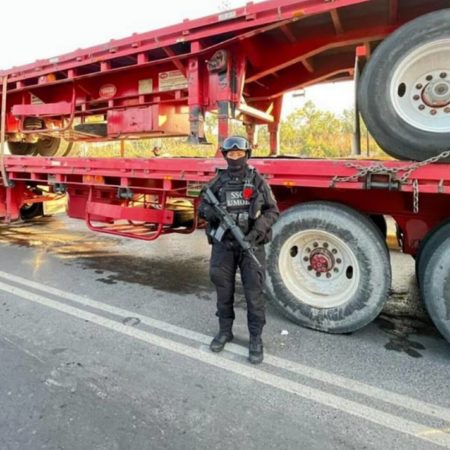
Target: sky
46 28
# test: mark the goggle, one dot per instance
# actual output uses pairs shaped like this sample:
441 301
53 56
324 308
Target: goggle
235 143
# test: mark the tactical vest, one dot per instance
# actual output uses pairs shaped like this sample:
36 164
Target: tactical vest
231 196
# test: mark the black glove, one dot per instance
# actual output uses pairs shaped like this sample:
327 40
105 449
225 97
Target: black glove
208 213
254 237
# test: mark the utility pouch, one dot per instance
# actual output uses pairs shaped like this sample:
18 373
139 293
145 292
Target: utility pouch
243 222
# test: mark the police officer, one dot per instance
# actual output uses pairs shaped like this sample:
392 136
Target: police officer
243 192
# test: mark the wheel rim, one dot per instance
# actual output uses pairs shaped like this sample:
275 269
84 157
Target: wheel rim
319 268
420 87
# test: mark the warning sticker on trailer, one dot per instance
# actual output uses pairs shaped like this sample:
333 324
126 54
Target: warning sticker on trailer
172 80
227 15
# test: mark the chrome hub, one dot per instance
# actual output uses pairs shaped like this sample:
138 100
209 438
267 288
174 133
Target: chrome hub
437 93
322 260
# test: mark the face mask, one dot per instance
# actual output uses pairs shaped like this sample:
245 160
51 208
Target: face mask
237 165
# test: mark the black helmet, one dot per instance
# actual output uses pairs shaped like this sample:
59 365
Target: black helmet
236 143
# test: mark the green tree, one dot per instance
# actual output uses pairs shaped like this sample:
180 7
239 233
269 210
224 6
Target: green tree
311 132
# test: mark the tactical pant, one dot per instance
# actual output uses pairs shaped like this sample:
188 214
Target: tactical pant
225 260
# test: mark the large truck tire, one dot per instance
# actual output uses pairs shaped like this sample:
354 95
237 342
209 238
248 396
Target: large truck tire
328 267
428 246
404 94
29 211
32 210
436 288
47 146
22 148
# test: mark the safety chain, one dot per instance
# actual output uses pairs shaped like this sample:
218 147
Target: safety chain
379 168
416 196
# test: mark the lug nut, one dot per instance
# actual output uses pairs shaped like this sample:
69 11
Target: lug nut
443 75
306 259
325 245
447 110
433 112
429 77
328 275
339 260
422 107
308 250
316 244
318 274
416 97
419 86
334 251
310 268
336 270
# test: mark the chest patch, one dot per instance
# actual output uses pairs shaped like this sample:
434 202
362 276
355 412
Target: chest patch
235 198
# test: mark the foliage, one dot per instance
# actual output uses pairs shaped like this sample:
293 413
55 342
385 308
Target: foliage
310 132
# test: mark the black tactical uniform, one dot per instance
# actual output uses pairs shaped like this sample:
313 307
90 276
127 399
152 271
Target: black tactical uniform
249 199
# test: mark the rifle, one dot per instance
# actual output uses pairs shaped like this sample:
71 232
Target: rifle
227 223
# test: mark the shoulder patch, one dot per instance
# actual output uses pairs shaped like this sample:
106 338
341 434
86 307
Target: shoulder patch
218 179
260 179
272 196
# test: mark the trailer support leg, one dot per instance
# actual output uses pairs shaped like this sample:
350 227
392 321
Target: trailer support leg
274 132
196 100
197 121
356 142
224 121
250 129
274 128
14 201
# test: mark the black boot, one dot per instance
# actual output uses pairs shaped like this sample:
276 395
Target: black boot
255 350
218 343
225 335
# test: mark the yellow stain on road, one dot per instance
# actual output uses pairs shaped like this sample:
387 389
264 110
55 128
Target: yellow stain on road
38 261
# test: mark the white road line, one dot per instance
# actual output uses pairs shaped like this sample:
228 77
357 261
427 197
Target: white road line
386 396
373 415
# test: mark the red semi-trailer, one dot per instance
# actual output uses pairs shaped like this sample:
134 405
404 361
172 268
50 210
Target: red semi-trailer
328 264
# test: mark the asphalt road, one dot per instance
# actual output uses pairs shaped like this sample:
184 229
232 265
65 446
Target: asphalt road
104 345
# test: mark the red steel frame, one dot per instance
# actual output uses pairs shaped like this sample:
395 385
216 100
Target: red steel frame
222 61
227 69
93 185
